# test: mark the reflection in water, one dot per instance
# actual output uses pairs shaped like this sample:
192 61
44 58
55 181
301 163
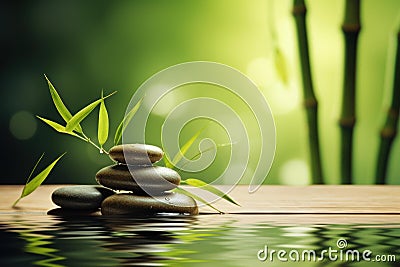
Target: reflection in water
39 244
176 241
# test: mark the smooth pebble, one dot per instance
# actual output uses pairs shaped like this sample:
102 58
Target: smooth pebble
136 154
80 197
130 204
153 179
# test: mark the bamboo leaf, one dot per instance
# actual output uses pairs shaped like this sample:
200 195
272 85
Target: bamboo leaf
280 65
125 121
83 113
33 184
186 147
211 148
201 152
203 185
34 168
167 161
183 191
59 128
102 131
61 108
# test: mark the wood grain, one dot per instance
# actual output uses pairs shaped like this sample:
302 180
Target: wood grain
368 203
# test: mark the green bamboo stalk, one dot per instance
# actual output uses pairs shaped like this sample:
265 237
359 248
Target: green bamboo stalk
310 102
351 28
389 129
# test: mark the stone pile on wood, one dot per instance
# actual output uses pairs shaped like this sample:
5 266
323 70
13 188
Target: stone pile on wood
132 186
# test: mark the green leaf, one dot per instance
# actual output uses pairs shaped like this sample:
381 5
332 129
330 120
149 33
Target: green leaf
83 113
125 121
183 191
211 148
203 185
102 131
201 152
33 184
280 65
59 128
61 108
167 161
185 148
34 168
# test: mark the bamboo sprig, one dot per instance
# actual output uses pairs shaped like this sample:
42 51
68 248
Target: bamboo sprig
74 128
351 28
389 130
310 101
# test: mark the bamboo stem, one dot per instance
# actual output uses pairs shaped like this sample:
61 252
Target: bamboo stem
351 28
389 129
87 139
310 101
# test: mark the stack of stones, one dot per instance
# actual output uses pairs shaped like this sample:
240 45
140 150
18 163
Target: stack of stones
141 187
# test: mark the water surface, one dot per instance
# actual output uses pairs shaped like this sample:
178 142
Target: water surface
204 240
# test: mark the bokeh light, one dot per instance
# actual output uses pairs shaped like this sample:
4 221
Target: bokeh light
295 172
23 125
85 46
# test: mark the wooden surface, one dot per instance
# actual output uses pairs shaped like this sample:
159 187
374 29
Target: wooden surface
316 203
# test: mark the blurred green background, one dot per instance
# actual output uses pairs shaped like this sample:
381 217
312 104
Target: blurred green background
86 46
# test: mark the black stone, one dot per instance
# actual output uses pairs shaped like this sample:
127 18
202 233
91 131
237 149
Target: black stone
136 154
130 204
80 197
151 179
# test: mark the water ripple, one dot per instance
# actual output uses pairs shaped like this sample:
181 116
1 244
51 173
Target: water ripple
176 241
